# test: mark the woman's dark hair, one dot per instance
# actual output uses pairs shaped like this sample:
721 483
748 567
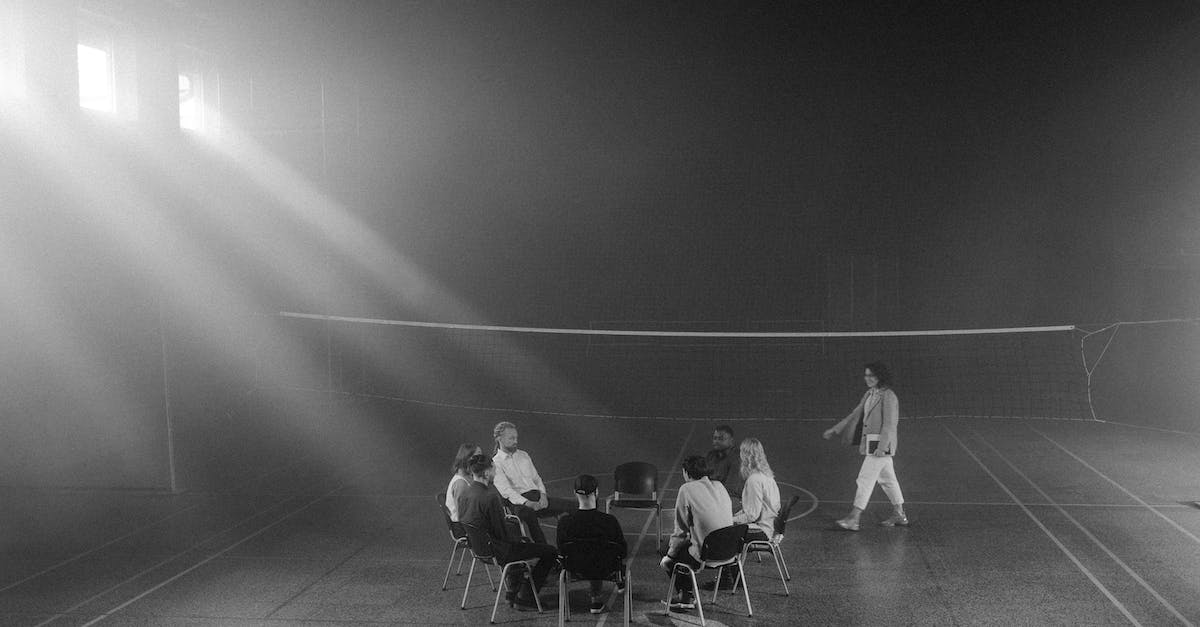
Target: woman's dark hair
465 451
695 466
478 464
880 370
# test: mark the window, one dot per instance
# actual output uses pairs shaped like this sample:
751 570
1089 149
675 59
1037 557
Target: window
96 88
191 102
107 67
12 53
198 90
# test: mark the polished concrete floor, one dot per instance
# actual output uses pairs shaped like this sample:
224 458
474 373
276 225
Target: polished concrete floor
1014 522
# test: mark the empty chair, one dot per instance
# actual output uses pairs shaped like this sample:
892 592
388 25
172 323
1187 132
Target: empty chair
482 552
636 487
772 545
721 548
592 560
459 535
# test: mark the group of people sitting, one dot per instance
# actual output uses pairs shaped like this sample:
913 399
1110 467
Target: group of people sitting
726 486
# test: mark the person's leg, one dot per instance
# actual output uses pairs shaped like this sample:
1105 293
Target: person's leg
530 518
891 487
867 475
545 555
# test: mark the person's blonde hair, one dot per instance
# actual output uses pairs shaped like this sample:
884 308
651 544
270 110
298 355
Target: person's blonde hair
754 458
496 431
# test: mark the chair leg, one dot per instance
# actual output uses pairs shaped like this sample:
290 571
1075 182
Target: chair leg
745 589
670 589
461 557
779 566
446 579
717 585
537 600
658 519
564 611
628 613
467 588
503 578
696 595
787 574
738 579
488 569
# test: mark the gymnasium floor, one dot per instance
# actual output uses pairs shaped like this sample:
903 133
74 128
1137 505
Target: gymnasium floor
1015 522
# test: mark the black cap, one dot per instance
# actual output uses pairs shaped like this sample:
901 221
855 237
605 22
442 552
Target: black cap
585 484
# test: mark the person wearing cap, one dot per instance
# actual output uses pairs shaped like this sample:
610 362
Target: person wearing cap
480 506
589 523
520 484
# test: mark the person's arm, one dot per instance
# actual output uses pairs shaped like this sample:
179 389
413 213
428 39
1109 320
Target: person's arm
504 485
752 501
844 423
891 417
495 519
683 520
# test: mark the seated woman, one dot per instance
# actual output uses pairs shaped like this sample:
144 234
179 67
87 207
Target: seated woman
760 496
461 479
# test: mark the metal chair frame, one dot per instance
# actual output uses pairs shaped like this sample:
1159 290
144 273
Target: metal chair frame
719 562
487 556
565 578
637 500
459 536
772 545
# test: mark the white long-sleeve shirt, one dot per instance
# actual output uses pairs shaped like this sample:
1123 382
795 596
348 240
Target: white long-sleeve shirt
701 507
760 503
515 474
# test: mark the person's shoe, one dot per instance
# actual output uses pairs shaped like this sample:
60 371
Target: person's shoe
848 524
597 606
682 601
895 520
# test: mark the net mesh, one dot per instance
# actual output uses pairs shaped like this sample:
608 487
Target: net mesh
1019 373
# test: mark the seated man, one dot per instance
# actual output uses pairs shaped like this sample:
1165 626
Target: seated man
590 524
701 508
480 506
725 466
519 483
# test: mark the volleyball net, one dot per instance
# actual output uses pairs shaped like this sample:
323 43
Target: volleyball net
646 373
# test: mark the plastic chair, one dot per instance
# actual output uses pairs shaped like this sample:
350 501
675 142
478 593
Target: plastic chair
483 552
772 545
588 560
459 535
636 487
721 548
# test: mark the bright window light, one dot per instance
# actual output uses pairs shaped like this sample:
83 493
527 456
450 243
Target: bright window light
191 113
95 79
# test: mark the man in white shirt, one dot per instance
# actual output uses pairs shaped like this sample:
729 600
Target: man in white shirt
519 483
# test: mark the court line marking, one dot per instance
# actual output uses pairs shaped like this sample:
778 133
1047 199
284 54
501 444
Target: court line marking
650 518
1119 486
1053 538
210 558
134 532
68 612
1103 547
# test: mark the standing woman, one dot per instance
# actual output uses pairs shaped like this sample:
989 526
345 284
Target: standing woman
872 427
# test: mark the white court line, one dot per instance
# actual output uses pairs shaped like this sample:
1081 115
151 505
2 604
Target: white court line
210 558
1062 547
1119 487
1103 547
632 554
90 551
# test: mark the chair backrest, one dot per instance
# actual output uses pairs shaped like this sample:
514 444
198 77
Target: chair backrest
724 543
636 479
480 542
456 528
592 558
784 512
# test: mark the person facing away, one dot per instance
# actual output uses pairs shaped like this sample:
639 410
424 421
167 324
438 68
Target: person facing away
702 506
589 523
872 427
461 479
480 506
723 464
519 483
